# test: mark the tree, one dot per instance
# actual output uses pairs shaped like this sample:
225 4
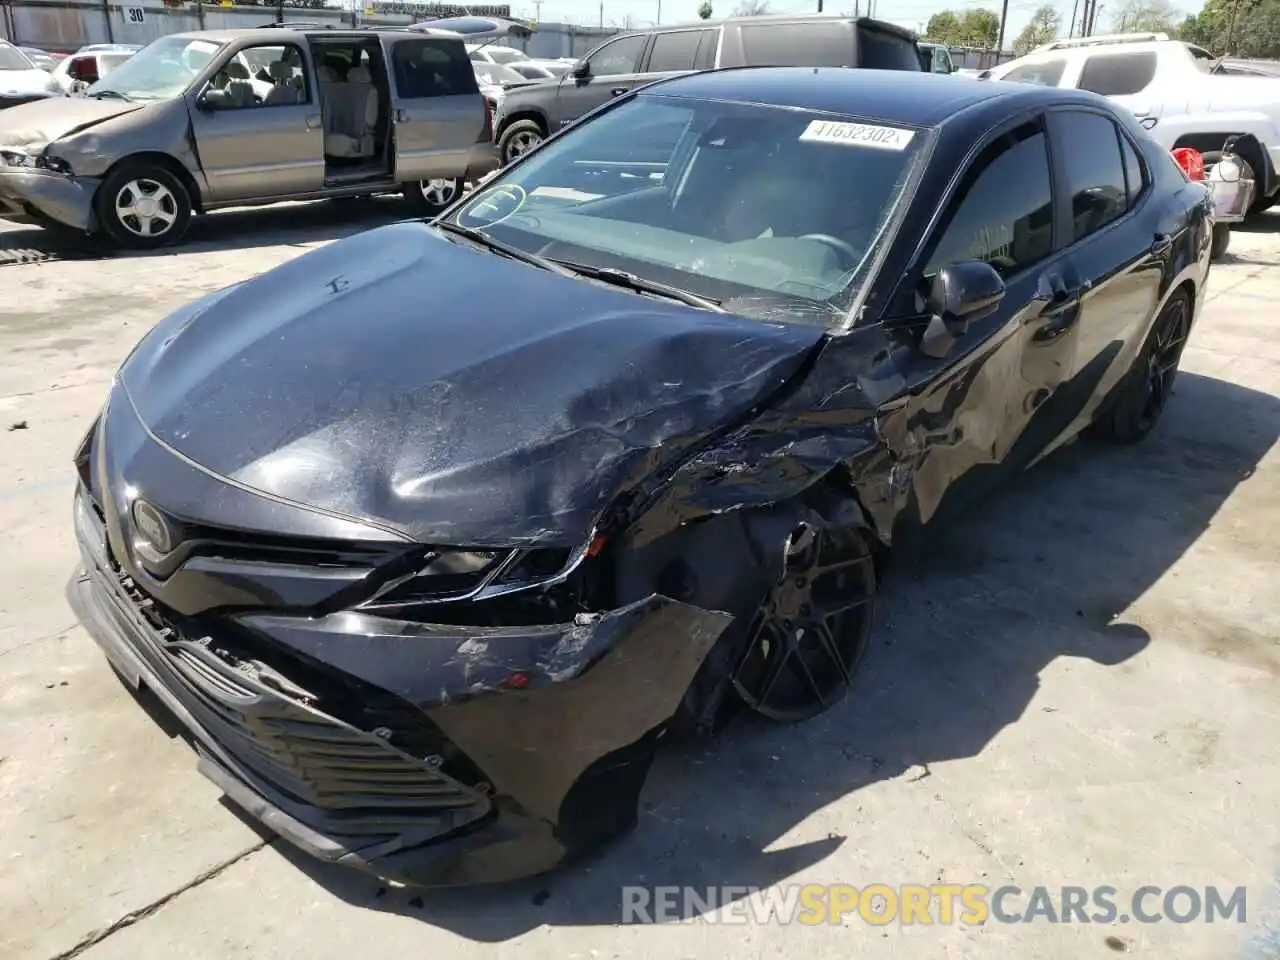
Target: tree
752 8
704 10
1145 16
964 28
1242 28
1041 28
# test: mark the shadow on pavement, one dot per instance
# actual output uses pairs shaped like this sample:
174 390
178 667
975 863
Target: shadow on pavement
1267 222
238 229
1040 571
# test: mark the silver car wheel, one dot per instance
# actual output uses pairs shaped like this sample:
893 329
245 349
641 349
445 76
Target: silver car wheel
146 208
439 192
522 143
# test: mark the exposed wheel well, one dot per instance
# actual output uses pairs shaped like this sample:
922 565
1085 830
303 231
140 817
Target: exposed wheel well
533 115
1248 147
169 163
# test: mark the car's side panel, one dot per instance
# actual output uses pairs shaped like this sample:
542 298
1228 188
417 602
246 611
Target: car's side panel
577 96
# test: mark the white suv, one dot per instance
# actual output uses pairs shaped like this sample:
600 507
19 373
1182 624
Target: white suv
1182 93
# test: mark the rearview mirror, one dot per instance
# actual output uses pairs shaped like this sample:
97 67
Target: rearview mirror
582 69
961 293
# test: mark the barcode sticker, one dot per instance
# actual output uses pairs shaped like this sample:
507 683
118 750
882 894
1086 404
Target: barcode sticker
858 134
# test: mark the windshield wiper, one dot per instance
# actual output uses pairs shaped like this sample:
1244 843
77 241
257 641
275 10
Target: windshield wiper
629 281
506 250
111 93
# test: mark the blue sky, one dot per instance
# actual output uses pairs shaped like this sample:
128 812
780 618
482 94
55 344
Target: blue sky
910 13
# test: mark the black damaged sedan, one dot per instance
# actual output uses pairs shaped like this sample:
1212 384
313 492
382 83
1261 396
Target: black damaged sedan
428 536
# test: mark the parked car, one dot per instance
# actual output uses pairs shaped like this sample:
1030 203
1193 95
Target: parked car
21 81
631 59
40 59
429 582
1180 92
493 53
90 64
936 58
180 129
495 80
540 70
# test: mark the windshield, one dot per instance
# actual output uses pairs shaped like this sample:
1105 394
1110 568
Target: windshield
495 75
774 213
11 58
158 71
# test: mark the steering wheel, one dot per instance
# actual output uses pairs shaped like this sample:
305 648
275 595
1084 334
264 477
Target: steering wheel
835 243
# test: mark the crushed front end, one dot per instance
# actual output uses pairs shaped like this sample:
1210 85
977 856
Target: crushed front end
299 652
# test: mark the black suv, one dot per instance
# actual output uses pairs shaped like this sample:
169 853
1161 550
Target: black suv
530 114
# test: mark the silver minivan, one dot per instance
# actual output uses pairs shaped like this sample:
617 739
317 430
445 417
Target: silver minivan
198 121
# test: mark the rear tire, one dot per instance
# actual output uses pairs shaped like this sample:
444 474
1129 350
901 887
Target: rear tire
428 198
142 206
1144 392
518 139
1221 240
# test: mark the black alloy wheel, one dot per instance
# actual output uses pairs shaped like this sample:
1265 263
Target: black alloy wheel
810 633
1169 337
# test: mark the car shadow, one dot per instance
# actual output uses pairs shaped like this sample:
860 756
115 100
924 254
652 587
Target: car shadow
1267 222
1042 570
242 228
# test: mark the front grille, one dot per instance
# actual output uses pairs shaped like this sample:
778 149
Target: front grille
337 778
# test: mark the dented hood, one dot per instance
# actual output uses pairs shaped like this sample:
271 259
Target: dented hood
36 125
445 392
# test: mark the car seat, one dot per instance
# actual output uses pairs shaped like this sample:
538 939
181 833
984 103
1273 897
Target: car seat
354 108
286 86
238 89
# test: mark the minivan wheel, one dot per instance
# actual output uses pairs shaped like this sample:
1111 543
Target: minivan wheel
142 206
429 197
518 139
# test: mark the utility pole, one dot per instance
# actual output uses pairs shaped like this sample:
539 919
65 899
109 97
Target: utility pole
658 19
1075 7
537 11
819 6
1004 15
602 14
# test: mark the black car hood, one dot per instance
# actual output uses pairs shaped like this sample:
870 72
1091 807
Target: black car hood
447 393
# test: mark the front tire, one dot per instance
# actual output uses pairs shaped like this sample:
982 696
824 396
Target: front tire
518 139
808 637
1145 390
428 198
142 206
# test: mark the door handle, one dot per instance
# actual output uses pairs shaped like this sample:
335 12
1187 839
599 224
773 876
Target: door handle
1161 244
617 91
1063 310
314 122
402 116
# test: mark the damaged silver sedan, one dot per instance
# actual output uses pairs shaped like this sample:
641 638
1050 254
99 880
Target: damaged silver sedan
427 578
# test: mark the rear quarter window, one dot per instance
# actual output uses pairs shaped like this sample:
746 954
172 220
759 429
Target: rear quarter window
1046 73
799 44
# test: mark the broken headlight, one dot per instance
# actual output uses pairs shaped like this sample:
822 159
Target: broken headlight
463 574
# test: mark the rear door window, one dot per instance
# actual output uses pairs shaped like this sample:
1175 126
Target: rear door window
1046 73
885 51
708 45
799 44
1118 74
675 51
431 68
1095 177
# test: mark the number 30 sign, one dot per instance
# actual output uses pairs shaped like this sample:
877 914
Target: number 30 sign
135 15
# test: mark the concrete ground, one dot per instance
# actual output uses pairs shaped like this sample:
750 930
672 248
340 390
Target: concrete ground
1079 687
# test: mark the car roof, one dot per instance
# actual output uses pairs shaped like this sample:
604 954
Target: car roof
267 34
904 96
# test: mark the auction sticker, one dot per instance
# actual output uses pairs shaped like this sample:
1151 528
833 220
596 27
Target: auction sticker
858 134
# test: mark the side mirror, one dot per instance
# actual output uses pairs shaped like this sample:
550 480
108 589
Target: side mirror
211 100
582 69
961 293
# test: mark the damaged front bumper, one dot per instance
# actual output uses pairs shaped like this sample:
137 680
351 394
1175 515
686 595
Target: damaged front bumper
30 194
428 754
